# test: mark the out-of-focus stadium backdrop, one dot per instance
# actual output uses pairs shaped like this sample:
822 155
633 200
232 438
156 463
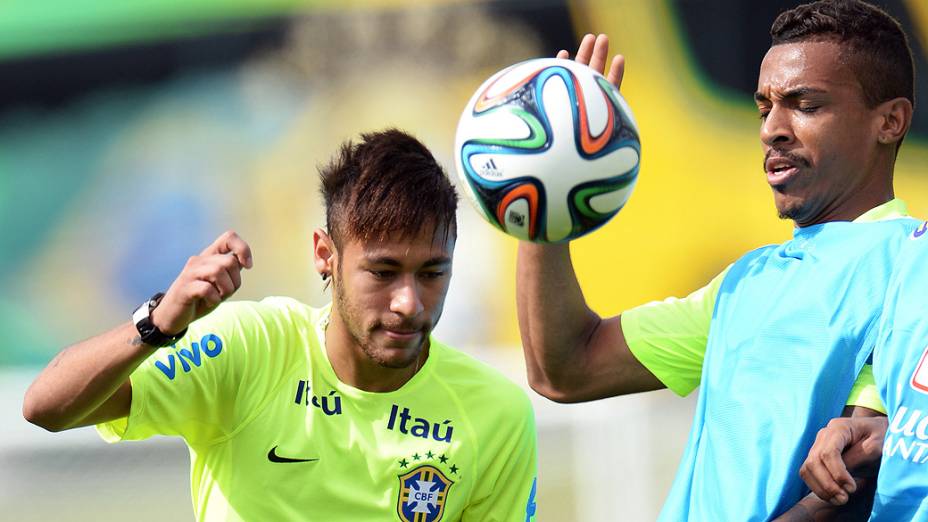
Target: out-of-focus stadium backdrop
133 133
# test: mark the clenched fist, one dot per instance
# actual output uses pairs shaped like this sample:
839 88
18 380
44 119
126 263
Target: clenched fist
206 280
845 445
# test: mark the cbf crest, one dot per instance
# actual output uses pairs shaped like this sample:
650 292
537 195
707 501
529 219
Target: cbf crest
423 492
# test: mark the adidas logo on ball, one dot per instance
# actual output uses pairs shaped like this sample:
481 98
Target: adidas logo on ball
489 170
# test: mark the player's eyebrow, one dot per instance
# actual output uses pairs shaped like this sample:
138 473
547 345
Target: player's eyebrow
389 261
792 94
438 261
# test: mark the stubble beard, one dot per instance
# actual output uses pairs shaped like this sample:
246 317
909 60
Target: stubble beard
799 211
361 336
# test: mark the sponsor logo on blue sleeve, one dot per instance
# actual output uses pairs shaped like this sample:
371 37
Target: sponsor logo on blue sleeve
920 231
531 507
210 345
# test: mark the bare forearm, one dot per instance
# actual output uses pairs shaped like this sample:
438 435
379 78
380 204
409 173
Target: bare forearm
554 318
84 376
814 509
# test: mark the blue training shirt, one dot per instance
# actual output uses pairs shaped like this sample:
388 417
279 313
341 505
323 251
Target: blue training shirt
900 366
792 327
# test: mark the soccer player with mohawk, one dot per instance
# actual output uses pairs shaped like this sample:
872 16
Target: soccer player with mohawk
349 412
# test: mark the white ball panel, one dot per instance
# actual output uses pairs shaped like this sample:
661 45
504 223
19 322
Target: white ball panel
610 201
501 125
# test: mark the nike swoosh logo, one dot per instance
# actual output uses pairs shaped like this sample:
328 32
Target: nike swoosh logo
274 457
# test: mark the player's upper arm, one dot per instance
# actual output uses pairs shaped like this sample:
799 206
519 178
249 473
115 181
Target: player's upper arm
609 368
669 337
116 407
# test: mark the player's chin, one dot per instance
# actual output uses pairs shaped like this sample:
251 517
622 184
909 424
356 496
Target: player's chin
397 358
397 354
789 206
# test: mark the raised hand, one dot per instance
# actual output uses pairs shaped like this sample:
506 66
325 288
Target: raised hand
206 280
594 51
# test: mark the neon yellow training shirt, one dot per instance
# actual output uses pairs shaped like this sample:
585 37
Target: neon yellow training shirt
274 435
669 337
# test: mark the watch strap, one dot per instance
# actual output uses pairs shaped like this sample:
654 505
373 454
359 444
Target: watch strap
148 332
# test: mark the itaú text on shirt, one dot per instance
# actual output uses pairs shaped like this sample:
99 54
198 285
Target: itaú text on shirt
907 437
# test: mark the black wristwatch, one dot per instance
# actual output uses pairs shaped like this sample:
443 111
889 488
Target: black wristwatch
150 333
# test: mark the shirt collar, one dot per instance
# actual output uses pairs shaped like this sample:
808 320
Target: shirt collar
892 209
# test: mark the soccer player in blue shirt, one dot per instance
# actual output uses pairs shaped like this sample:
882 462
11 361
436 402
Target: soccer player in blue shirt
777 341
897 443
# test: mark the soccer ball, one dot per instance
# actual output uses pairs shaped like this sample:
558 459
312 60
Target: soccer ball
547 150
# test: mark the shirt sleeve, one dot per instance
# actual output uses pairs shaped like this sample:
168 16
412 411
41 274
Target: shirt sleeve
669 337
507 491
865 393
193 389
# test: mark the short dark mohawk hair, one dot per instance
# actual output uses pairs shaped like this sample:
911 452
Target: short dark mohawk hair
386 186
877 48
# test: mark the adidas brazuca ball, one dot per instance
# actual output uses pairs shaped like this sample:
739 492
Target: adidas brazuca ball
548 150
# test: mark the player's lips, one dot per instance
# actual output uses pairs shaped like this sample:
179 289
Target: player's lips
401 335
780 169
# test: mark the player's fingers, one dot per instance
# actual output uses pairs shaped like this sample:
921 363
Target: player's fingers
616 71
233 267
242 251
838 470
224 262
217 245
235 274
600 53
213 270
585 51
864 455
205 292
563 54
223 282
809 477
819 479
826 466
230 242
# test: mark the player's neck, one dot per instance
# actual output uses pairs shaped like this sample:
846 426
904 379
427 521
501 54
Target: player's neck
355 368
874 192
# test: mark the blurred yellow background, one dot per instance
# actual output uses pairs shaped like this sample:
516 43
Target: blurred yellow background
132 134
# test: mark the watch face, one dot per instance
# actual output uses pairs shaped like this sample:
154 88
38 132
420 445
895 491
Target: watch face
141 312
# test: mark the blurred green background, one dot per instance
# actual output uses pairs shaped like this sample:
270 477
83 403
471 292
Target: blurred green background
132 134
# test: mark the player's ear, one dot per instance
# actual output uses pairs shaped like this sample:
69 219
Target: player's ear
895 119
323 253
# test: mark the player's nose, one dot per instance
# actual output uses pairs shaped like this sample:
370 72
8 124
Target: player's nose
406 299
776 128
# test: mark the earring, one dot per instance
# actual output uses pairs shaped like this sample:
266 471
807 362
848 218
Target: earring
325 276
